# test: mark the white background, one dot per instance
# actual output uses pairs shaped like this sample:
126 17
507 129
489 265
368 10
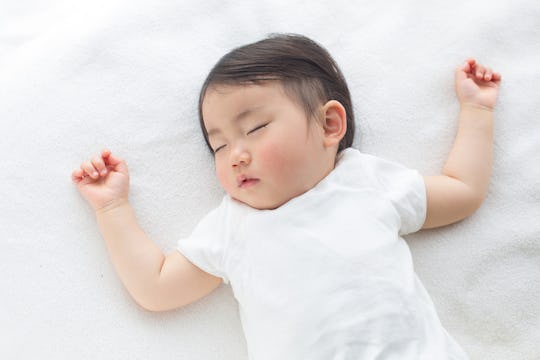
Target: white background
79 76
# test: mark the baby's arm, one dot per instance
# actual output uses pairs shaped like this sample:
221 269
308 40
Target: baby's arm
463 184
157 282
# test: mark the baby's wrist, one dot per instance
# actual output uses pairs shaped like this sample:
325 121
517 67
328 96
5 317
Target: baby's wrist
474 106
111 205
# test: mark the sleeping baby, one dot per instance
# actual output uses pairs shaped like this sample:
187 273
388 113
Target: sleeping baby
309 233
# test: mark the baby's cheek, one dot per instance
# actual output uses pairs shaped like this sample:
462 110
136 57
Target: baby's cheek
223 179
275 159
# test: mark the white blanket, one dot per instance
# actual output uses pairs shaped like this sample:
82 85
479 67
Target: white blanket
77 77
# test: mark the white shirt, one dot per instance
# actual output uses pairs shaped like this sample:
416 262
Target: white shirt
327 275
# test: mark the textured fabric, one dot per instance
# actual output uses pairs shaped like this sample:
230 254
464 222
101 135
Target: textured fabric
326 275
76 76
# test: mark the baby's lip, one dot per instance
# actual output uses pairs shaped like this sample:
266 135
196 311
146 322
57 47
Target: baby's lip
245 181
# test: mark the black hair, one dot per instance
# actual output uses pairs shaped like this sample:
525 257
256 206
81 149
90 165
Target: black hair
308 73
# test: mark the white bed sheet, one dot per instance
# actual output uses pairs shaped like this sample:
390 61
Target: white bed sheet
79 76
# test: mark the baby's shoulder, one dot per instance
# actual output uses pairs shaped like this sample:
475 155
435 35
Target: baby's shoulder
366 170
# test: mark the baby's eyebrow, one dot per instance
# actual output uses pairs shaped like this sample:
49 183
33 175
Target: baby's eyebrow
238 118
246 113
213 132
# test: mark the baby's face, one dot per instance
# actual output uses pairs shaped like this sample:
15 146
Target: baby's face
266 150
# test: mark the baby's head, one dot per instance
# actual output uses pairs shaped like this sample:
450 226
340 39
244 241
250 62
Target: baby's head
275 113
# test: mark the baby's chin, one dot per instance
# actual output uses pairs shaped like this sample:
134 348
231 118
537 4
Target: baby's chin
260 204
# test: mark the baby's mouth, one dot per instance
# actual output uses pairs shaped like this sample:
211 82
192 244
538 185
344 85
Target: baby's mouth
245 182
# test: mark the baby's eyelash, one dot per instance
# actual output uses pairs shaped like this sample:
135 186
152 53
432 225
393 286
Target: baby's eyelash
257 128
218 148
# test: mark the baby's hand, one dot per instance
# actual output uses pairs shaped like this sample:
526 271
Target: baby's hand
477 85
103 181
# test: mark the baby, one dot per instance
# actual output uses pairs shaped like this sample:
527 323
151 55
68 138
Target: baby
309 232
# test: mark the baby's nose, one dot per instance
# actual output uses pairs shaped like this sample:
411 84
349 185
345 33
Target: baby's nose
240 157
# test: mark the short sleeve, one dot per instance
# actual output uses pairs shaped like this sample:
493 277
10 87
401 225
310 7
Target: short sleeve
406 189
403 187
206 245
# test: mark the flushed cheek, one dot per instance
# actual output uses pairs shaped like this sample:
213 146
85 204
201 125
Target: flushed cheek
278 161
224 178
269 158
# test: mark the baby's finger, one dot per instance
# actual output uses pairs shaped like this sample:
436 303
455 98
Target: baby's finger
479 71
105 153
466 67
89 169
109 158
99 164
114 162
471 61
77 175
496 76
488 75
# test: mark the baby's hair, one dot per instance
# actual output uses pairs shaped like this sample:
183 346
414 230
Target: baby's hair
307 72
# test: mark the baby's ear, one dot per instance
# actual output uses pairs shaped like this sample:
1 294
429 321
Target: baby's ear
335 123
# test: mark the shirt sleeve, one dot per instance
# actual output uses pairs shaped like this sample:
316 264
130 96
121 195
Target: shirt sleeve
404 188
206 245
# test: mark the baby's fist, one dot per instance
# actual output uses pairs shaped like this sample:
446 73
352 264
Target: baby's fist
477 85
102 181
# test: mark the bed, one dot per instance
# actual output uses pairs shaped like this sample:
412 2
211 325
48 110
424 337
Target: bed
76 77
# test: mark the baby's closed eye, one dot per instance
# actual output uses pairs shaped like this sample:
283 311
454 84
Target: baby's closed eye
217 148
259 127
